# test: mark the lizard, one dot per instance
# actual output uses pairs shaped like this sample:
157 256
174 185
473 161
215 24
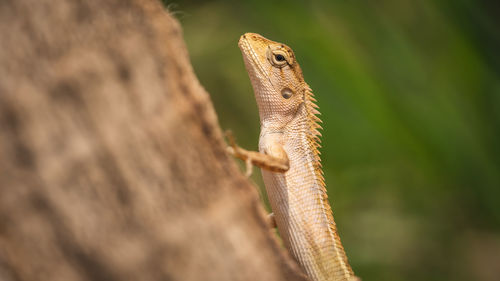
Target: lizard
290 160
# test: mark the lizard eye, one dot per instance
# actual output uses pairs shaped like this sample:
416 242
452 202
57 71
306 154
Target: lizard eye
277 57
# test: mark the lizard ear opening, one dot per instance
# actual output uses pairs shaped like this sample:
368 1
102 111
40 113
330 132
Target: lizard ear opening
286 93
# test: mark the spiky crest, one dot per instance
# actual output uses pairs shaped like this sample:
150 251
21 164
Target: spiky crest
314 141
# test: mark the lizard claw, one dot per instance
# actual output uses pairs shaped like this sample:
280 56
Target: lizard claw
271 220
230 138
249 167
231 149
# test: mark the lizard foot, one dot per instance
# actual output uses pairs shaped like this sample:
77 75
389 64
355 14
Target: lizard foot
237 152
271 220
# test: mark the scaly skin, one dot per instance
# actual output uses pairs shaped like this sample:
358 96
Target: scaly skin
289 158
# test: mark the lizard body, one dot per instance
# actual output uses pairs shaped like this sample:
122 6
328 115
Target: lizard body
289 158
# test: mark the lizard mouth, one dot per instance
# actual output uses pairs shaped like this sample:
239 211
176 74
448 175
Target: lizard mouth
251 57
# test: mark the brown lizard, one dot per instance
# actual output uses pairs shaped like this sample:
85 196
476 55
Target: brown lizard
289 158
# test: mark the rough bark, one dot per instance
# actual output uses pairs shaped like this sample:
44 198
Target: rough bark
112 163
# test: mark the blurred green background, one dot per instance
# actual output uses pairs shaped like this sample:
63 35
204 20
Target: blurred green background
410 98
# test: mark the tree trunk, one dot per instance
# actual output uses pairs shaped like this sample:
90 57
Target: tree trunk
112 163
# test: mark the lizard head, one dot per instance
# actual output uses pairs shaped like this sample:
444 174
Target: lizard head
276 77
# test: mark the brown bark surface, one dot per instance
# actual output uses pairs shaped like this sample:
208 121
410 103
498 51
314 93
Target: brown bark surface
112 163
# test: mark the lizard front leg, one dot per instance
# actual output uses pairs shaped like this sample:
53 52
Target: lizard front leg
274 159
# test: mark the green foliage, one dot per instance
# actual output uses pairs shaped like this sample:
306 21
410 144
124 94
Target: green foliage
410 98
